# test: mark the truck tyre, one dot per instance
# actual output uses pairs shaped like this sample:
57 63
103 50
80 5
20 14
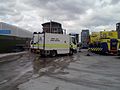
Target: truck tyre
75 51
42 55
53 53
71 52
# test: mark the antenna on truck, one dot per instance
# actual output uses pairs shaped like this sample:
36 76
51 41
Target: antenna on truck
50 25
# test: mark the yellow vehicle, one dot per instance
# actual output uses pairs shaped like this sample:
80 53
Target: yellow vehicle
94 43
104 42
94 37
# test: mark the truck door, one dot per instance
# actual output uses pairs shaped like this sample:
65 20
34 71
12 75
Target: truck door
113 44
40 40
34 41
74 43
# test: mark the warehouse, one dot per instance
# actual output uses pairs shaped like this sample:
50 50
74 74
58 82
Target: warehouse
13 38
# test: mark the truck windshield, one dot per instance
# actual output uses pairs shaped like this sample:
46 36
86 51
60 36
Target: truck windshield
73 40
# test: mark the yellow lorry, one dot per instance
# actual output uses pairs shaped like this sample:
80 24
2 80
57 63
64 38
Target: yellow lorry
104 42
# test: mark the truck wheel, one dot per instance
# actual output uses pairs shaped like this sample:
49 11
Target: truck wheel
42 55
71 52
53 53
75 51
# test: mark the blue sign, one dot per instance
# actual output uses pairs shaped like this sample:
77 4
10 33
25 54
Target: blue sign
2 32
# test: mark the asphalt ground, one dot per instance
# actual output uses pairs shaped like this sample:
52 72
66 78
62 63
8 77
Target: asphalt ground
88 72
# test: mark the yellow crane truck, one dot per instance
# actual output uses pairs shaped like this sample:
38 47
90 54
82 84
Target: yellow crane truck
104 42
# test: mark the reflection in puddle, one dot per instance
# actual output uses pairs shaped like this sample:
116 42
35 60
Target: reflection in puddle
40 62
51 64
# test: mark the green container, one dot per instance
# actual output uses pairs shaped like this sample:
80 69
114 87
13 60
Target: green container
10 43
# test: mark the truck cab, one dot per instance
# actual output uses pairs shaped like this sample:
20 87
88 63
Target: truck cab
73 43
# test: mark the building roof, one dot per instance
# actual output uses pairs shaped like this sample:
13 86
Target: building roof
50 22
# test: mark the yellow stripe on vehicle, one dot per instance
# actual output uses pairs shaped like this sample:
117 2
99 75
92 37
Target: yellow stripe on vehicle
53 45
57 45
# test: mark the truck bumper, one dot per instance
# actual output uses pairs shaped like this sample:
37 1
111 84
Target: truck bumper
35 50
113 51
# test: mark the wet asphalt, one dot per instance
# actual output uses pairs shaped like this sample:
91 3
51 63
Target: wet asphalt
21 68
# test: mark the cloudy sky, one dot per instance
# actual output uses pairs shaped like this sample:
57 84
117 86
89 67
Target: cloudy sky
74 15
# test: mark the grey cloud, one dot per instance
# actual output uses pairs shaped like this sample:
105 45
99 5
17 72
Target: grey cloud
59 10
7 7
102 20
67 6
115 1
4 11
71 7
24 11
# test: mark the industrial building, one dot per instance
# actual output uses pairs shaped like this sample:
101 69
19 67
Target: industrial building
85 38
52 27
13 38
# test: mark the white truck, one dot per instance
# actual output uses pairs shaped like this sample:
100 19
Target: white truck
53 44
